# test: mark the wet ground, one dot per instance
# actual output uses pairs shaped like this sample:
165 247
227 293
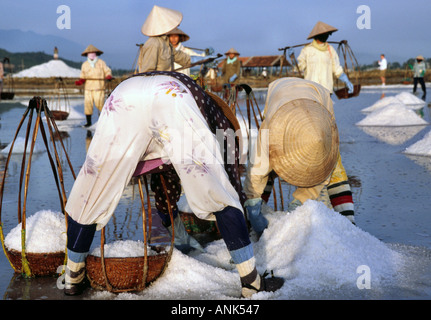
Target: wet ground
391 190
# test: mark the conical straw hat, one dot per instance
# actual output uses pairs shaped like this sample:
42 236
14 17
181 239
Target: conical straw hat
303 143
160 21
231 50
183 36
91 48
321 28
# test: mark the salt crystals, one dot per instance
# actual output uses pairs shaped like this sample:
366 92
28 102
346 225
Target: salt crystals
45 233
124 249
392 111
395 114
421 147
405 98
53 68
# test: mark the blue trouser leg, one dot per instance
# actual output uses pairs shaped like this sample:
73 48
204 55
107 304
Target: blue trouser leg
79 239
233 229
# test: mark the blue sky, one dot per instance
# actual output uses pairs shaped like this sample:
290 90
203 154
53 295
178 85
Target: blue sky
399 28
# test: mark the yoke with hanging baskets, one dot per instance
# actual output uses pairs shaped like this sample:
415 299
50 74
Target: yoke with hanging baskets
32 263
348 58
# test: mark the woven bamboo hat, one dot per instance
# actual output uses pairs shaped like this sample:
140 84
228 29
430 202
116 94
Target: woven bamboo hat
321 28
91 48
231 50
160 21
303 143
183 36
419 57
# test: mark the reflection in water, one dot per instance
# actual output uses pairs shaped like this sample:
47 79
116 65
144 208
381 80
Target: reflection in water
88 139
38 288
393 135
421 160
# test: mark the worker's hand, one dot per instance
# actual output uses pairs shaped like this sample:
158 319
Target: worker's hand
80 82
345 79
257 220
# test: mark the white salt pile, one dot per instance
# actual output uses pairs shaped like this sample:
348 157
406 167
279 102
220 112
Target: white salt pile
322 248
317 251
421 147
45 233
381 103
409 98
405 98
53 68
394 114
19 147
124 249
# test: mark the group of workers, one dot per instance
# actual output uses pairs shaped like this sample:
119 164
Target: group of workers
163 119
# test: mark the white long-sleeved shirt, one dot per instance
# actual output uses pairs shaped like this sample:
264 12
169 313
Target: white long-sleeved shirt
383 64
320 62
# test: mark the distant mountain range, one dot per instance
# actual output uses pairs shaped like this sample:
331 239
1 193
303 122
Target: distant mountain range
29 41
26 49
25 60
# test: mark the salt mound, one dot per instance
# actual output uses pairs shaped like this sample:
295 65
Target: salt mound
53 68
316 250
409 98
19 147
406 98
124 249
382 103
395 114
421 147
315 246
45 233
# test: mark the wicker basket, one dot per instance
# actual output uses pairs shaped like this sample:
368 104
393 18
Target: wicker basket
344 94
59 115
7 95
41 264
125 274
130 273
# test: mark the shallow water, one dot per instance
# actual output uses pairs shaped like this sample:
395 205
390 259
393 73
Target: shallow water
391 194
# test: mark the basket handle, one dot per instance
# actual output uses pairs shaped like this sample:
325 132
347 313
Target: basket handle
142 285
